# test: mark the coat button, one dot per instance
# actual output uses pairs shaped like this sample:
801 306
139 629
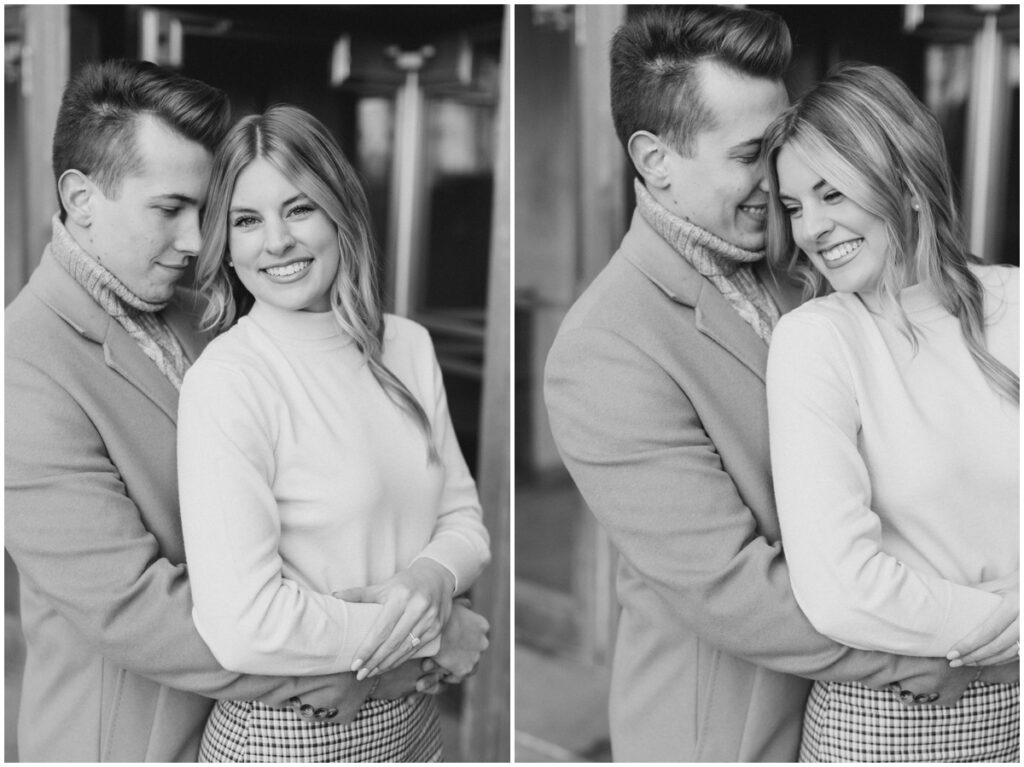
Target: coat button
331 713
320 713
307 711
933 697
906 695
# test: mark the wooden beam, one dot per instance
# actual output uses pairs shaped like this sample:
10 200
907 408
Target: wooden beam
486 736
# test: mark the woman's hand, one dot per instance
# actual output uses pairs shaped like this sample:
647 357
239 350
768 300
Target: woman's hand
997 639
417 602
463 640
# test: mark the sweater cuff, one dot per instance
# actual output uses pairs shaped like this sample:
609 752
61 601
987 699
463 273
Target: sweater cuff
968 609
454 555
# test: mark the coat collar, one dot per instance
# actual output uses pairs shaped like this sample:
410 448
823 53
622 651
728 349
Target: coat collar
72 303
680 282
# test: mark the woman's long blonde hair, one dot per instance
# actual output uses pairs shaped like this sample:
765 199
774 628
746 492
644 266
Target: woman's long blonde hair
864 132
303 150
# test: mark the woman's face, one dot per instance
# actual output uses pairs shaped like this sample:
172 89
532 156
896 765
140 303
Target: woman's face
284 248
845 242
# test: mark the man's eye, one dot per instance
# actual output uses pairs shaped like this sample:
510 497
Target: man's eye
168 212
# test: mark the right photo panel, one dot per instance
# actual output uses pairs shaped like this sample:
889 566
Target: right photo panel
766 355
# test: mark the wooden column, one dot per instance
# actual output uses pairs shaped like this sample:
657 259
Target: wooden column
485 716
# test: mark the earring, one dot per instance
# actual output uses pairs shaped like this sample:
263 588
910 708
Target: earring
916 206
231 263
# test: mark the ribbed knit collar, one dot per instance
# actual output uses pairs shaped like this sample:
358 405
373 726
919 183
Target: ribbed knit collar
706 252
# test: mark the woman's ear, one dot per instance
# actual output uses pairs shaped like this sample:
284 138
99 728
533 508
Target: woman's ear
649 158
76 192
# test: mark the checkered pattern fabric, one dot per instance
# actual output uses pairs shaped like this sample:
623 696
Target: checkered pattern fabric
383 731
847 722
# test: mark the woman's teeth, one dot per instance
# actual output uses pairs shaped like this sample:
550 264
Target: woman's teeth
288 270
842 250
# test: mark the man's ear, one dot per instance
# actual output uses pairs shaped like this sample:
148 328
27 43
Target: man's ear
649 158
77 192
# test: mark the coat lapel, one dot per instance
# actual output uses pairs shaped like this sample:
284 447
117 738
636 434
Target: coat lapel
680 282
70 301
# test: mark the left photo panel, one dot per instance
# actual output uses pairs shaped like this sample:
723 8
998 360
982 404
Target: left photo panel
257 371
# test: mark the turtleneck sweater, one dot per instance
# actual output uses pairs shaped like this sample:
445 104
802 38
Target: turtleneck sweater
141 319
300 477
728 267
896 470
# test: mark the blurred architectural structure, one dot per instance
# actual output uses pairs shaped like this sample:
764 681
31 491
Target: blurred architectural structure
573 201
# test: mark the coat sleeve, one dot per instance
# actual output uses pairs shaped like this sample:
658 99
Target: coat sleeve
459 541
636 448
80 542
848 585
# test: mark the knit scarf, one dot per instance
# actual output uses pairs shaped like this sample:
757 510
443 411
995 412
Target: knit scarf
730 269
139 318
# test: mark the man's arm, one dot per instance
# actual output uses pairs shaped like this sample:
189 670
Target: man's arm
648 470
79 540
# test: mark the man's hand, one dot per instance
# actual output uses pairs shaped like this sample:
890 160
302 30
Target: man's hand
1007 673
463 640
417 602
411 677
997 640
937 685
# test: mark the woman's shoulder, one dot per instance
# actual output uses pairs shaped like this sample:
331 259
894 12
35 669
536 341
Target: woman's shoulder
231 355
833 310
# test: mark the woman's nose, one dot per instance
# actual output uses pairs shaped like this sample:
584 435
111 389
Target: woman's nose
817 224
279 240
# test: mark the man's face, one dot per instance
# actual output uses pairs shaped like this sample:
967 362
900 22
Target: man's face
718 187
147 235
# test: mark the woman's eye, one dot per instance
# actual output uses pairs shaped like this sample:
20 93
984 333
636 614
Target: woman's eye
301 210
833 196
243 222
791 210
749 159
168 212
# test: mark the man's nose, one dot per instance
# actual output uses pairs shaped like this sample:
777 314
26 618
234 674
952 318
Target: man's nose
189 238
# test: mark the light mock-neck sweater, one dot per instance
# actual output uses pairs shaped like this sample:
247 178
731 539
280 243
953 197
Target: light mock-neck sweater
300 477
897 474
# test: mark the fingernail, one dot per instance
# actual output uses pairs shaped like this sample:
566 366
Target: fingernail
375 672
356 664
956 663
952 655
362 674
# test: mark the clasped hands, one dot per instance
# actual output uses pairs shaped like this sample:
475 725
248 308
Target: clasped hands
418 607
993 647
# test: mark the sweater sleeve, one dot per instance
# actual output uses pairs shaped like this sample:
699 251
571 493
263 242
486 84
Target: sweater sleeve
253 618
849 587
459 541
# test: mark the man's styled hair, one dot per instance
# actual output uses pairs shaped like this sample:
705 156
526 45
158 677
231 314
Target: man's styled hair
654 57
100 108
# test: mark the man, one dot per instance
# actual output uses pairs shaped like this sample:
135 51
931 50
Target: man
655 389
96 345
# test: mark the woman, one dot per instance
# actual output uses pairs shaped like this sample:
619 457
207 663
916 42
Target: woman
317 456
894 412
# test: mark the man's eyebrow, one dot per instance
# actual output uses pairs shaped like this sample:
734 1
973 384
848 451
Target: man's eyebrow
184 198
750 143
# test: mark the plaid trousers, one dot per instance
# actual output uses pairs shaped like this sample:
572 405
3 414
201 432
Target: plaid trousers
383 731
848 722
